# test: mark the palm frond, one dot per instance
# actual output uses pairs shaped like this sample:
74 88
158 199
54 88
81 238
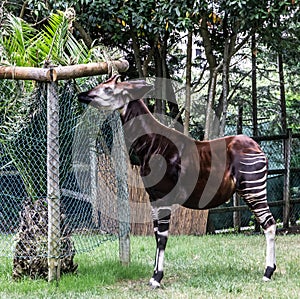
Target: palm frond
55 35
59 45
24 46
76 51
18 38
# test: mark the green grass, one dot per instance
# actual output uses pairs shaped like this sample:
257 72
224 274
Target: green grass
215 266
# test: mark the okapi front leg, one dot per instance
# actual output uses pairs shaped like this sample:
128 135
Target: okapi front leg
161 222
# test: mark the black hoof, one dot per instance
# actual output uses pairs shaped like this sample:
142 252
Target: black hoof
269 272
156 279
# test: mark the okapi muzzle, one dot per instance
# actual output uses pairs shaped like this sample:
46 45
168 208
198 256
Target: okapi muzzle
112 95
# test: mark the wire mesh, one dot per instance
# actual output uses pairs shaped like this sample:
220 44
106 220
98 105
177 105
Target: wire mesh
295 181
92 191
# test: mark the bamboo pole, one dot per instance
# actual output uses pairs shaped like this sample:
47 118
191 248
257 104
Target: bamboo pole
61 72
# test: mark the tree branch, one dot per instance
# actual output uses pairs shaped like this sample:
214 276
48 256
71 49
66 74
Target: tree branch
207 43
22 12
85 36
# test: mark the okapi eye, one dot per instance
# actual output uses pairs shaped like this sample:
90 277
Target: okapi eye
108 91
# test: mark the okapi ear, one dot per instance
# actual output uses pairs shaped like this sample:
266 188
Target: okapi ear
136 89
112 80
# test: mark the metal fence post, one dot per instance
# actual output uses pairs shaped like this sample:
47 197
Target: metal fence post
53 192
286 184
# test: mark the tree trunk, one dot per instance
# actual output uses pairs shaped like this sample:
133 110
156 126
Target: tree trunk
149 57
208 130
137 54
208 48
188 83
164 88
239 127
282 94
254 86
225 84
158 82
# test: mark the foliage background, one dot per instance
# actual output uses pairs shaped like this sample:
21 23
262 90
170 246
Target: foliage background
152 37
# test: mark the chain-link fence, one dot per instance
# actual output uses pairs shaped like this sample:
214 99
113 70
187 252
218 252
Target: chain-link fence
62 176
279 185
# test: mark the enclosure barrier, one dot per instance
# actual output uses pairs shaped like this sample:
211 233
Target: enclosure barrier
51 76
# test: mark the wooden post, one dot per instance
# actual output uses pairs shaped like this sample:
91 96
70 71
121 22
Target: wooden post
124 249
53 191
124 218
286 184
236 214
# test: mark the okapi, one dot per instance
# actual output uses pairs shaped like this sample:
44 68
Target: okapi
179 170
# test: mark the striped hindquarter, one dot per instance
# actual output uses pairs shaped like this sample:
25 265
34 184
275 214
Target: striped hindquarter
252 186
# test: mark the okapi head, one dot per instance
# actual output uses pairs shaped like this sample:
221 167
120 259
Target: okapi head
112 95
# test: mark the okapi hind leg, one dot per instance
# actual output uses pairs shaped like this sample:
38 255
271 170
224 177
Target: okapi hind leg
161 222
269 228
264 217
270 233
252 186
267 222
